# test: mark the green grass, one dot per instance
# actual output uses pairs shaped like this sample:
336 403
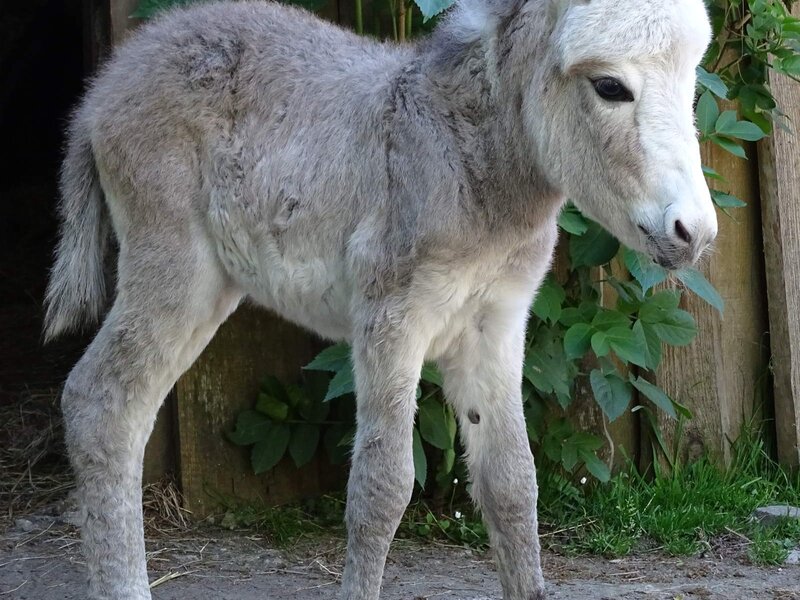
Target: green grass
680 513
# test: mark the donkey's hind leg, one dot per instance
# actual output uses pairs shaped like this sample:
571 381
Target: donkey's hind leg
172 296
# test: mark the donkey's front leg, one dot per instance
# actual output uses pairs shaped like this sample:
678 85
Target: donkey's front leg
483 377
387 362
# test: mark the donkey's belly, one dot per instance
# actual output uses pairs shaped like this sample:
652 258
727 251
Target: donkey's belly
312 291
304 281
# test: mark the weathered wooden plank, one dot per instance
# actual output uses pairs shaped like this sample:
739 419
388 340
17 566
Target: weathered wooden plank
225 380
120 20
779 158
717 375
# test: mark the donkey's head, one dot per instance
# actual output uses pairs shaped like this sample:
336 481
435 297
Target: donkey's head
612 121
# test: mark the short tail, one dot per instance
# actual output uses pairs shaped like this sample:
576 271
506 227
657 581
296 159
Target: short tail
76 292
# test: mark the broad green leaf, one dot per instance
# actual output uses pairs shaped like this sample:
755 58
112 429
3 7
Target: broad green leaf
312 410
341 384
712 82
420 460
334 359
268 452
712 174
628 344
577 340
725 120
431 374
550 297
606 319
595 466
659 306
653 343
583 314
569 455
696 281
303 443
643 269
271 407
600 344
251 426
724 200
593 248
729 145
677 329
728 126
707 113
655 394
433 424
572 221
431 8
611 393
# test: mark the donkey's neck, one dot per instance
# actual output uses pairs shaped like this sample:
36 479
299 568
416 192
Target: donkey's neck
478 83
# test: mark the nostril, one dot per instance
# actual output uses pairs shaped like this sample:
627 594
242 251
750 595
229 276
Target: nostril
682 232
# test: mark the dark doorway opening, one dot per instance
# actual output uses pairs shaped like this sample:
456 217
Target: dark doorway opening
41 77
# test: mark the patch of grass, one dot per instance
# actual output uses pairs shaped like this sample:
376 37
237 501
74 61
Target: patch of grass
681 511
287 525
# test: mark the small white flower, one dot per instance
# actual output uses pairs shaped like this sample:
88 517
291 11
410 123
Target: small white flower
458 514
583 480
455 481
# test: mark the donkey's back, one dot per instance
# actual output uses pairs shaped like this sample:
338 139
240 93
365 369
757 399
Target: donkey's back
232 119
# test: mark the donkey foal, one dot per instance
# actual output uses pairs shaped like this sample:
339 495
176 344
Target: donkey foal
403 198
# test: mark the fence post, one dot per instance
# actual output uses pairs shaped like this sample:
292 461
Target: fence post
779 162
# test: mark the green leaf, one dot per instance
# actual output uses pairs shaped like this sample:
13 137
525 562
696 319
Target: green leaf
611 393
431 374
643 269
728 126
606 319
593 248
341 384
726 120
595 466
572 221
148 8
577 340
677 329
433 424
655 394
304 442
600 343
726 200
696 281
420 460
334 359
549 298
271 407
268 452
653 343
569 455
629 345
712 174
712 82
729 145
251 426
659 306
431 8
707 113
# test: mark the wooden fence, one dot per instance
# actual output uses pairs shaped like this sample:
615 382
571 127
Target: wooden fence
725 377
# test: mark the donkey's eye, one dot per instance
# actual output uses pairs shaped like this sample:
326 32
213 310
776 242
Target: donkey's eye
612 90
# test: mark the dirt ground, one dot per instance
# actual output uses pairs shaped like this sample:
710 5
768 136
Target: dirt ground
40 560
